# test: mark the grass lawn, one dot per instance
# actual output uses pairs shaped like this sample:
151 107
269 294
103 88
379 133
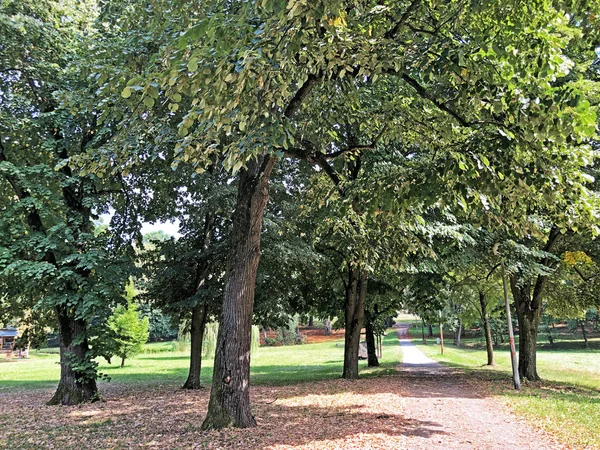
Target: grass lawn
566 403
270 365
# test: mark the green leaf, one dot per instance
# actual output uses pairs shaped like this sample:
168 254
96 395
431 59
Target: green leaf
192 64
149 101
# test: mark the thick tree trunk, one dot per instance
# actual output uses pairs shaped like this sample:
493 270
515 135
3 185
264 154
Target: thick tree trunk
354 310
528 303
199 314
489 346
122 362
430 329
311 321
73 387
229 403
528 315
528 331
458 333
372 360
423 331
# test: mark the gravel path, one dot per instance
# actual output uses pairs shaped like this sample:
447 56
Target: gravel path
457 414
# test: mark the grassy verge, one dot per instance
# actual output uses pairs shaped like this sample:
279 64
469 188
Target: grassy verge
270 366
566 403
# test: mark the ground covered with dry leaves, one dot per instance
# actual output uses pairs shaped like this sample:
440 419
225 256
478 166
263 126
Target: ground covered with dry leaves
413 409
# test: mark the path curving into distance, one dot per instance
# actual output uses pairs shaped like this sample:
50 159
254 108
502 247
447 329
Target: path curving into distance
459 414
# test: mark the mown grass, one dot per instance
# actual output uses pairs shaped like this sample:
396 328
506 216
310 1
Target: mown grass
158 366
567 401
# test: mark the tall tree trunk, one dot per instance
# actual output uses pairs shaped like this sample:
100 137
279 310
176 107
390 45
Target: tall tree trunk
327 327
122 362
585 339
199 314
528 330
311 321
489 346
430 329
354 310
229 403
458 333
74 387
423 330
200 310
528 303
528 314
372 360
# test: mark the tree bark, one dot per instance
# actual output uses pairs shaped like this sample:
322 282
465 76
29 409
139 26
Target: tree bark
327 327
372 360
528 330
489 346
199 315
310 321
528 303
229 403
356 291
529 313
74 387
585 339
458 333
423 331
430 330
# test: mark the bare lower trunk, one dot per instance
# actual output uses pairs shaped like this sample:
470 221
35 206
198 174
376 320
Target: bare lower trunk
430 330
311 321
372 360
229 403
423 331
528 295
74 387
196 336
528 316
585 339
486 330
327 327
356 291
458 333
528 331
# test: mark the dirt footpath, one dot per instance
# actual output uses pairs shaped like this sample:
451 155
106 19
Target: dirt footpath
458 414
423 405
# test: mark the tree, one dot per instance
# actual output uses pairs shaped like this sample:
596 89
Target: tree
130 331
50 257
479 88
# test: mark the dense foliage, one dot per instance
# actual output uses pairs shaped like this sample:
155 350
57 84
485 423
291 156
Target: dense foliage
379 154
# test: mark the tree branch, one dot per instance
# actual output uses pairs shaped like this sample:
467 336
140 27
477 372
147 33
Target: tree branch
541 279
296 102
423 93
392 32
357 148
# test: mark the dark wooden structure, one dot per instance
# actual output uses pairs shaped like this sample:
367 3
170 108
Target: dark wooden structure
7 339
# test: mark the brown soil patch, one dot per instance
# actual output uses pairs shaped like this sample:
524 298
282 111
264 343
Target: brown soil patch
314 335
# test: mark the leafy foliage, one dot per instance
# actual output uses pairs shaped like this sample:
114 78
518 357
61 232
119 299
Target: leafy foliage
129 330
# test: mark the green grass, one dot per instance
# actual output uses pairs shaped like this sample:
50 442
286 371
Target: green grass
270 366
566 403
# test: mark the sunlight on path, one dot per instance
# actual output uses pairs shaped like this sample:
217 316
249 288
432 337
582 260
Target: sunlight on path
454 411
412 356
